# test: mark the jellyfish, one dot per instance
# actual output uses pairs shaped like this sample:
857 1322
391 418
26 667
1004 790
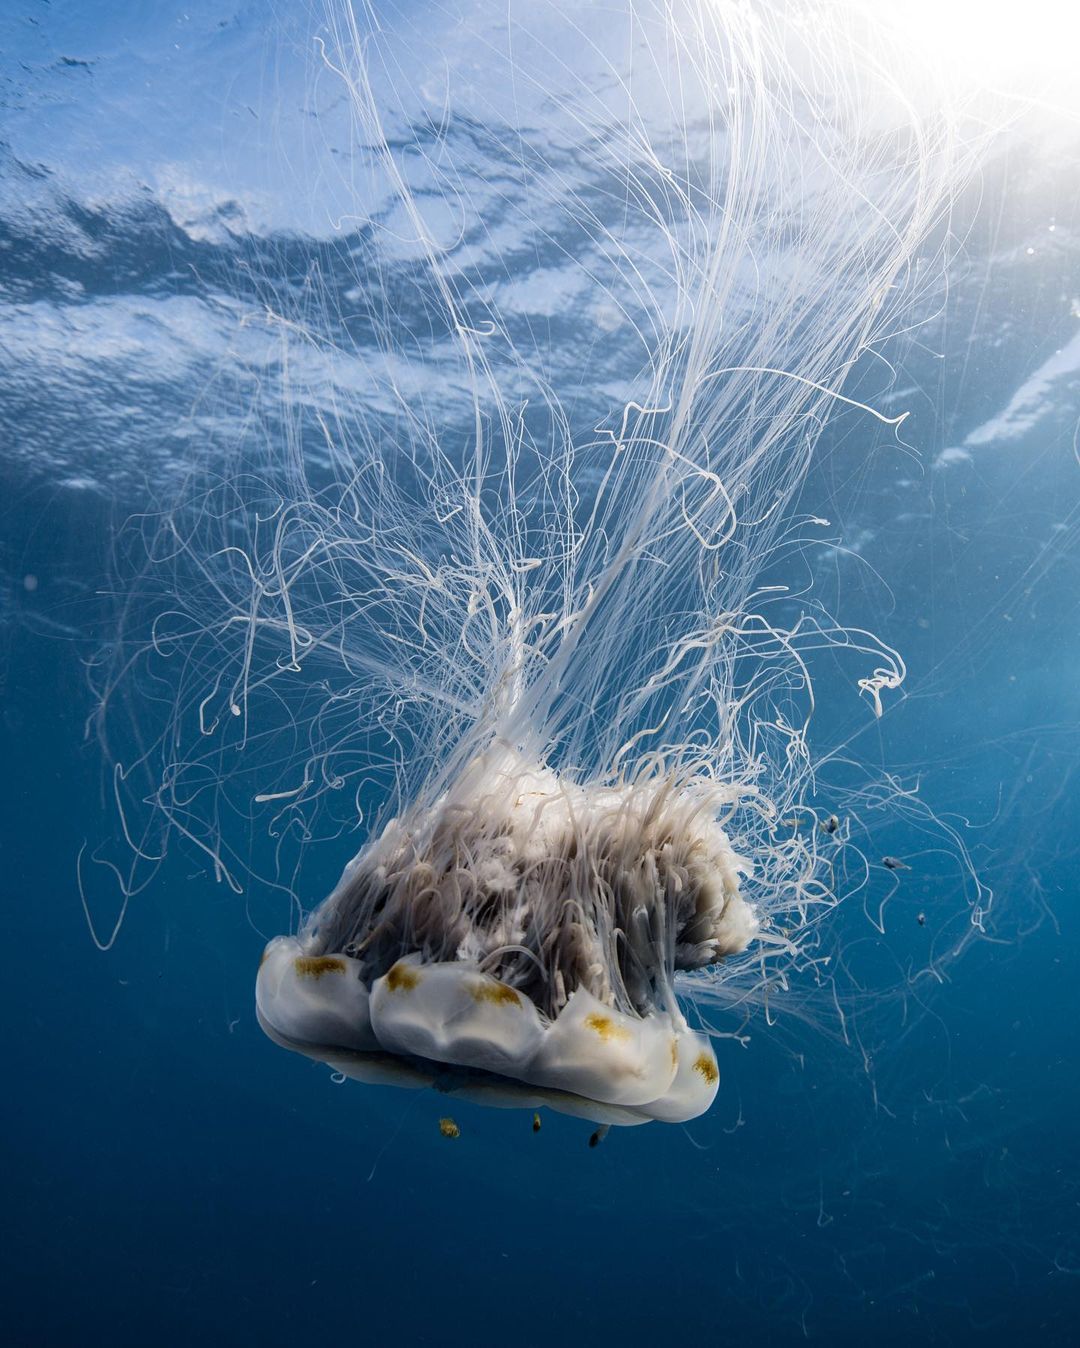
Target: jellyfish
506 589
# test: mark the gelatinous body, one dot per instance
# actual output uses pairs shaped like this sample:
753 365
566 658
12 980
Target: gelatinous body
528 929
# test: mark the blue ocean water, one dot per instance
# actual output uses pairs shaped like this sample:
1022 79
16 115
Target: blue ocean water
172 1176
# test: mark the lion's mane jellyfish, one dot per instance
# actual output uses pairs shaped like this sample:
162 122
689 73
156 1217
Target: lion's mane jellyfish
507 576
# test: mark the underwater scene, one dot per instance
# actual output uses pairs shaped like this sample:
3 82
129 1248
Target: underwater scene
539 647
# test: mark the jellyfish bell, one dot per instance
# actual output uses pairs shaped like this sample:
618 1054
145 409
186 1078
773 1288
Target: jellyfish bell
517 941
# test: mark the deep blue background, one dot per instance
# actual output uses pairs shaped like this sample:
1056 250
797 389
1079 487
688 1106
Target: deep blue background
171 1177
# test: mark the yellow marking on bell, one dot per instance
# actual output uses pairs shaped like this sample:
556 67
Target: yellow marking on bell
498 994
675 1053
706 1067
402 978
314 966
606 1028
449 1128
